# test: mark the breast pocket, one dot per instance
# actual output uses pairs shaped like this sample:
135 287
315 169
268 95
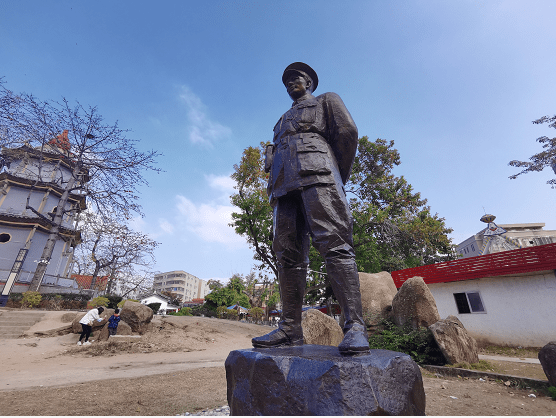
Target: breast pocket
306 112
313 157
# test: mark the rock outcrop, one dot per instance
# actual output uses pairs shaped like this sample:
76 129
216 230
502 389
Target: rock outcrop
123 329
454 341
320 329
414 303
69 317
137 316
318 380
547 357
377 292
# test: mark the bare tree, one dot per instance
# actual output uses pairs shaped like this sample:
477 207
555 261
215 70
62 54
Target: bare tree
79 154
113 249
543 159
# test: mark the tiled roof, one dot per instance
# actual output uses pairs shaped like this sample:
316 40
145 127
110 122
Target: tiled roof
522 260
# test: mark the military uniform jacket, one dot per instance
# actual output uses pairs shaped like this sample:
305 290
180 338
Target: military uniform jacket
314 143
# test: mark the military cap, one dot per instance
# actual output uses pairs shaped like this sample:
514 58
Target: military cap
302 68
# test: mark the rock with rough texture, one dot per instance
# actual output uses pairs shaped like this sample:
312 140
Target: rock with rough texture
320 329
377 292
137 316
123 329
318 380
454 341
69 317
547 357
76 326
414 303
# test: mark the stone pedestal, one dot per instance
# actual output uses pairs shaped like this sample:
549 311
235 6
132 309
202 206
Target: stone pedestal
318 380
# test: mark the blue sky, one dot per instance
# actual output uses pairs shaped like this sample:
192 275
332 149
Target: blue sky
454 84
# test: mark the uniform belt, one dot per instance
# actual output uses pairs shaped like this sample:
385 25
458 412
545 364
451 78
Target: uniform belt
288 138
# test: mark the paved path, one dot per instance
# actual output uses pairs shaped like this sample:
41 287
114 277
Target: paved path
512 359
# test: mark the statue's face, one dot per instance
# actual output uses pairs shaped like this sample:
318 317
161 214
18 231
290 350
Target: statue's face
297 86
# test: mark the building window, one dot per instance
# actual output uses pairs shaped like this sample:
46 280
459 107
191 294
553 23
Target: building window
5 237
469 302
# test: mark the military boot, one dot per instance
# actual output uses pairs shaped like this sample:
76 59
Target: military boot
289 332
344 279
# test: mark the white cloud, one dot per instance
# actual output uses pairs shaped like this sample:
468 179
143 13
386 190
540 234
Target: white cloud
202 130
223 183
209 222
165 226
137 224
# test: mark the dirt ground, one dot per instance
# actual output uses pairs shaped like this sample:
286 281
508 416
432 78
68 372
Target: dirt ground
179 367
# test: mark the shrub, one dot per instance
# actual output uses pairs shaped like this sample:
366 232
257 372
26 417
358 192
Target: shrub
113 301
222 312
552 392
185 312
419 344
203 310
155 306
16 297
482 365
99 301
232 313
257 313
121 303
54 302
31 299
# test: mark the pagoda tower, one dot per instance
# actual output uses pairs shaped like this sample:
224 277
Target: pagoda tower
31 184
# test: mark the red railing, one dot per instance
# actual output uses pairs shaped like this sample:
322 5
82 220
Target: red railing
522 260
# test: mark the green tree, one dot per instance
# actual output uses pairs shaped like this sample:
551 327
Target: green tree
393 226
228 295
254 218
543 159
257 313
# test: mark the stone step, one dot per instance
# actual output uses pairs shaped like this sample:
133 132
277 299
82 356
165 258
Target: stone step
27 314
18 322
11 335
14 324
9 325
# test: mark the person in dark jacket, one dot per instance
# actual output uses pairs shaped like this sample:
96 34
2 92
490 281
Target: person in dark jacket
113 322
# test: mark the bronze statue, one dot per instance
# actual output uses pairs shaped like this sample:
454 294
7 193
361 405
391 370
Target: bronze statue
309 163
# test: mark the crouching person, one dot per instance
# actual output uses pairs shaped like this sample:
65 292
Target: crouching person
113 322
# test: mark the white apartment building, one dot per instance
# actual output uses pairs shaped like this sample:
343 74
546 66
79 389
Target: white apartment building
186 285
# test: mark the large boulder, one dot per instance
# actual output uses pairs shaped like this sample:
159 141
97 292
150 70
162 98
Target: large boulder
76 326
454 341
377 291
547 357
414 303
320 329
123 329
318 380
137 316
69 317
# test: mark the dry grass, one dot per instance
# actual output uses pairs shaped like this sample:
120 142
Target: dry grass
523 352
482 365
